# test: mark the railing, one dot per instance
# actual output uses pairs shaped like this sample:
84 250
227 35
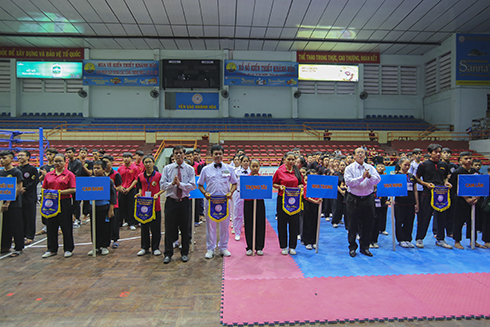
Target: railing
172 143
421 136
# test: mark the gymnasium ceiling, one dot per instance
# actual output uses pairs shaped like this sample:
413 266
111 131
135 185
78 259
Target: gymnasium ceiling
402 27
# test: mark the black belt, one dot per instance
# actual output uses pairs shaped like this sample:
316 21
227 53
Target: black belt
361 197
177 200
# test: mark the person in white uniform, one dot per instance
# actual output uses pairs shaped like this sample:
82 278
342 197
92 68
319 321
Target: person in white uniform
220 179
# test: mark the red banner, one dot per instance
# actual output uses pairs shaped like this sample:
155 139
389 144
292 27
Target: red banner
338 57
42 53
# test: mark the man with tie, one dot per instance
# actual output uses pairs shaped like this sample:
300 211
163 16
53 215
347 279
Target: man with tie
178 179
217 176
360 179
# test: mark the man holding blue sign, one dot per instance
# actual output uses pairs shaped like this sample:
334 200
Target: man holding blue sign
12 210
360 179
217 176
463 203
432 174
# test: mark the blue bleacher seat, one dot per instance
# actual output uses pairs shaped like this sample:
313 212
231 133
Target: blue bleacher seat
31 114
384 116
74 114
412 117
264 115
55 114
43 114
24 114
80 114
36 114
50 114
247 115
252 115
269 115
62 113
368 116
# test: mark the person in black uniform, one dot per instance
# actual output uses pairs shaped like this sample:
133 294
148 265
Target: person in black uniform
434 173
87 170
446 157
76 167
462 204
12 210
29 195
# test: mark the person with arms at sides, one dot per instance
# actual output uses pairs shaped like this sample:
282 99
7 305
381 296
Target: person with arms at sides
117 180
310 219
476 165
76 167
29 195
248 215
96 155
63 180
220 179
235 163
327 135
129 175
360 178
138 163
86 171
238 202
432 173
462 204
148 183
287 175
406 207
340 205
178 179
104 212
12 224
43 170
446 157
199 164
380 210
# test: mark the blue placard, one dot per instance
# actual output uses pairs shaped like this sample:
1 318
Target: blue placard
93 188
320 186
255 187
8 188
197 194
473 185
392 185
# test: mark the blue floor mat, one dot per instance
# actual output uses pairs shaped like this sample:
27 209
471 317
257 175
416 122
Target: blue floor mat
333 260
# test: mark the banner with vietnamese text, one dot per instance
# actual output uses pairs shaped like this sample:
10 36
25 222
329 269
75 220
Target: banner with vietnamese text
261 73
121 72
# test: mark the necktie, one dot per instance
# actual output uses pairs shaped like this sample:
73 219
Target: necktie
244 172
179 190
217 165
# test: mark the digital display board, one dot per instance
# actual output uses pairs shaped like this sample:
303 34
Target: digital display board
49 69
336 73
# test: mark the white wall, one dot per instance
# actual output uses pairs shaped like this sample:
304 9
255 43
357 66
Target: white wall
481 146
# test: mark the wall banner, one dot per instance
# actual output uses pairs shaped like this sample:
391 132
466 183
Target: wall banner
472 59
121 72
261 73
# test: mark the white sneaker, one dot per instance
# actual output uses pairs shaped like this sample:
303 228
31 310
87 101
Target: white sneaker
335 225
292 251
375 245
410 245
328 219
48 254
419 244
209 254
157 252
237 237
76 224
141 252
260 252
90 253
443 244
322 216
309 247
314 246
175 244
403 244
384 232
104 251
284 251
225 253
68 254
125 225
249 252
233 231
132 228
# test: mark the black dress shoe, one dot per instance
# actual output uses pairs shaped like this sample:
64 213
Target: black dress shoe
184 258
366 252
166 259
352 253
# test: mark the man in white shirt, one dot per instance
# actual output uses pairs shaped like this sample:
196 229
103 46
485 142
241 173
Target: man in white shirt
178 179
360 178
217 176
